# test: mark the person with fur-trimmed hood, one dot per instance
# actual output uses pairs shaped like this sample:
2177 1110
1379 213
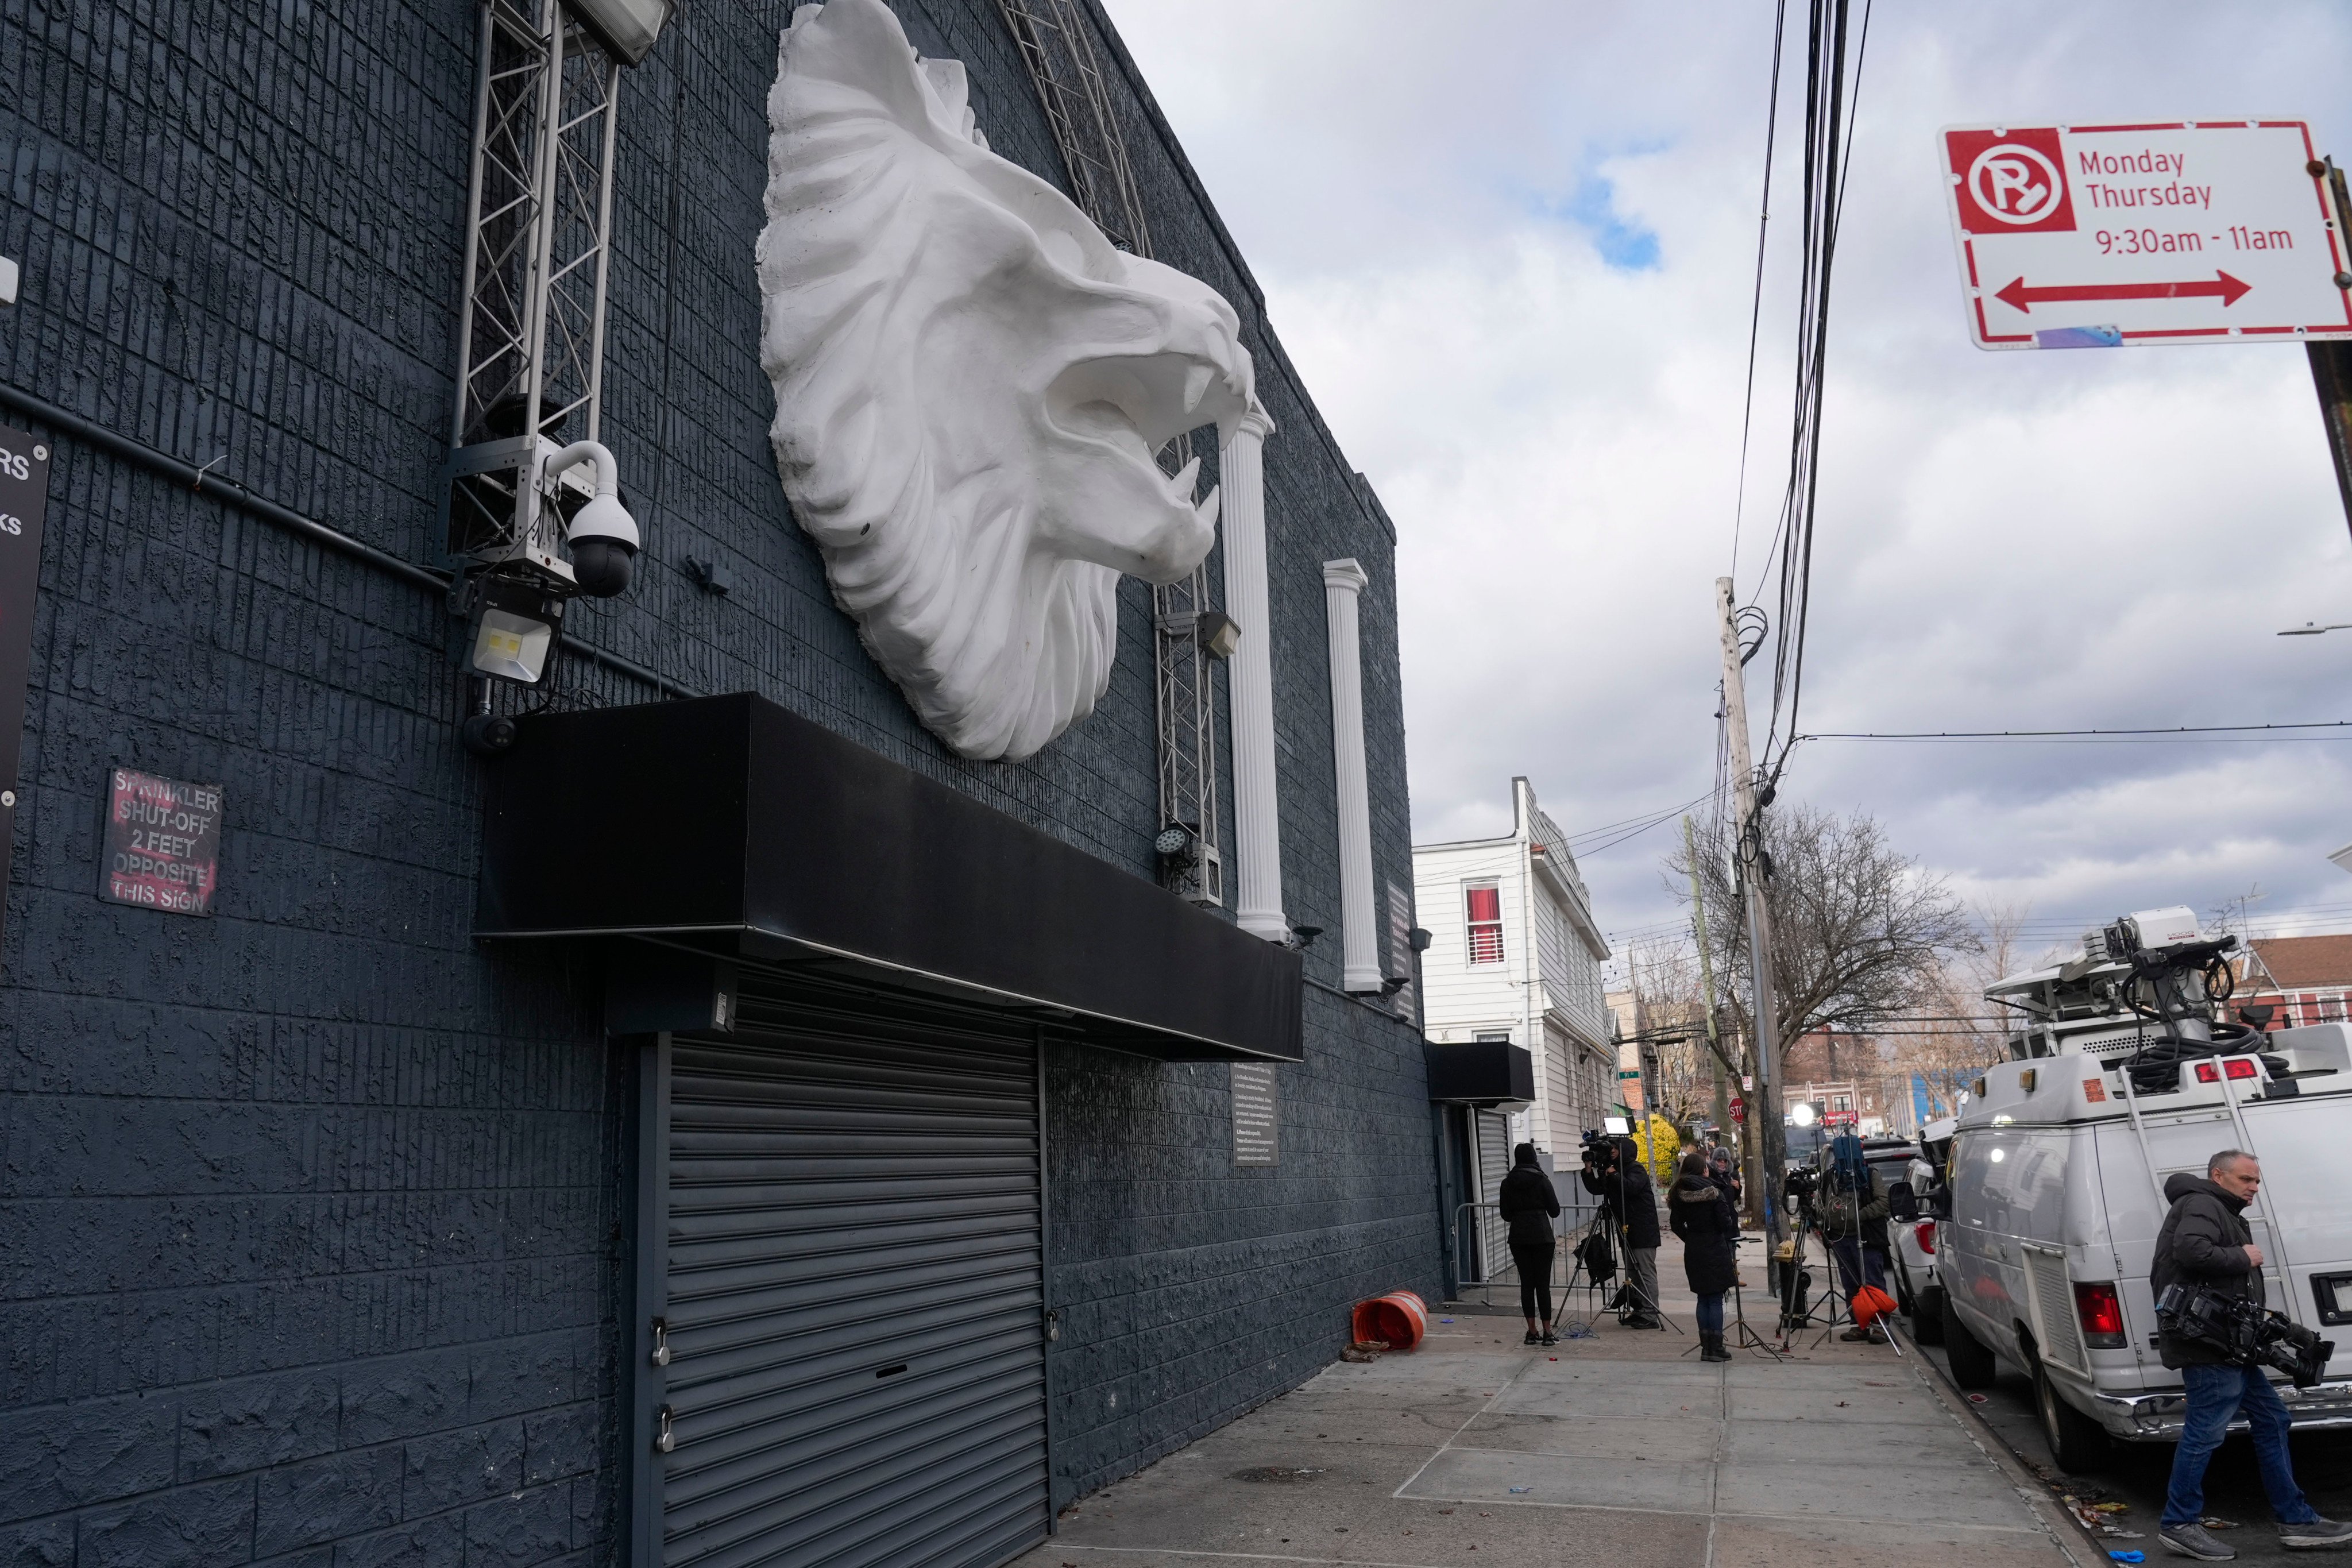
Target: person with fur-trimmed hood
1700 1213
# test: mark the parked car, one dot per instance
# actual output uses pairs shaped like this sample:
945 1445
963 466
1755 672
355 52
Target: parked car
1917 1288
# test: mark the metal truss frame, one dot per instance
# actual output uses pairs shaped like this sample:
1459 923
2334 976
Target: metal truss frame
539 224
1056 44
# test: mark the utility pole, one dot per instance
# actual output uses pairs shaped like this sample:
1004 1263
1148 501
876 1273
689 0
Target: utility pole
1764 1110
1706 992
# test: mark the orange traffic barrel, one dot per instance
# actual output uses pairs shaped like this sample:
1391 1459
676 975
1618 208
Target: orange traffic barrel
1398 1319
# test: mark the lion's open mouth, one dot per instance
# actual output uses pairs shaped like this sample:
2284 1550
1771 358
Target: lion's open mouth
1137 405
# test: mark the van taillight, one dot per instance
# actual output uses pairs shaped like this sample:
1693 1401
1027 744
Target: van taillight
2239 1067
2208 1073
2103 1315
1926 1235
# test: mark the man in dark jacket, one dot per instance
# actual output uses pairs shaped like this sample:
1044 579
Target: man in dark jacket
1853 1208
1616 1176
1528 1206
2205 1241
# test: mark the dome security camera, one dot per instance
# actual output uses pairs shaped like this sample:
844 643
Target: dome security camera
602 536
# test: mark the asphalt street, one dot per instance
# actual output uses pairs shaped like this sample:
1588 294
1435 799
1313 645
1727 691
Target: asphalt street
2136 1474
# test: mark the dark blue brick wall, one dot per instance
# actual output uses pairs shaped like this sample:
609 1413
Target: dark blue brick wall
311 1228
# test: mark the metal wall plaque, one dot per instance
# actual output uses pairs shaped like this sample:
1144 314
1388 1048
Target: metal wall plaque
1256 1115
162 843
24 501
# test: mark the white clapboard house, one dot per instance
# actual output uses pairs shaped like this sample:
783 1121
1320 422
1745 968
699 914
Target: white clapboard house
1514 955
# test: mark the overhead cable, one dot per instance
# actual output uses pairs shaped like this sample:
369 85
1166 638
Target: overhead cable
1755 305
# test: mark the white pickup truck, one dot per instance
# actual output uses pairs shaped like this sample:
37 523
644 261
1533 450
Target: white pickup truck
2120 1079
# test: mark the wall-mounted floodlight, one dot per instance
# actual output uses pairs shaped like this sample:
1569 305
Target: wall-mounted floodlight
1218 633
627 29
512 630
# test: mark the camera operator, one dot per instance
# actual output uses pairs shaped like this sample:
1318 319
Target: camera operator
1854 1222
1612 1173
2205 1241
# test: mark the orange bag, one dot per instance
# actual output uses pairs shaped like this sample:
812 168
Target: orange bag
1870 1304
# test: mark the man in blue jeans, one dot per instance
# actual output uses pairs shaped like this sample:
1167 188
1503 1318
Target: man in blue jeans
2205 1240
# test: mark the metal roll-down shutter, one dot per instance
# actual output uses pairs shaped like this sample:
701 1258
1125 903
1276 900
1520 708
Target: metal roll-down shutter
1494 1164
856 1289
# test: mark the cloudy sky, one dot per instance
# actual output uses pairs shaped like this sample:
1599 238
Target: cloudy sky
1510 243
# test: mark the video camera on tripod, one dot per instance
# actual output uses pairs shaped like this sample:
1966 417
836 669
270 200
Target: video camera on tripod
2249 1333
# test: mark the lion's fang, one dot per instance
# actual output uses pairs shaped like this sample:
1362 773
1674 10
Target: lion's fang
1196 386
1182 483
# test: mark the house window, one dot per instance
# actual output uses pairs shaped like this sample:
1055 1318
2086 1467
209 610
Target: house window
1841 1102
1485 905
1493 1036
2331 1009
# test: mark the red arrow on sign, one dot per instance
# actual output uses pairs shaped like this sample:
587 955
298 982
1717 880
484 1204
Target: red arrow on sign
2229 289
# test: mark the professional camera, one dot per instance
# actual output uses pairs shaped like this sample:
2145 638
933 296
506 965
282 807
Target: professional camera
1802 1182
1600 1149
2247 1332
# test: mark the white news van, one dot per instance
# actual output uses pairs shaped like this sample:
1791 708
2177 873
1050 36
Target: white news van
2120 1077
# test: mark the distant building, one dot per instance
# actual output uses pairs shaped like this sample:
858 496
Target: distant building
1515 954
1848 1081
2307 978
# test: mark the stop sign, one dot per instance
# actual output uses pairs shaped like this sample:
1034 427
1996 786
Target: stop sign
1738 1109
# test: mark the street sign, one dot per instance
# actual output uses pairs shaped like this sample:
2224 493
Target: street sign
1738 1109
2113 236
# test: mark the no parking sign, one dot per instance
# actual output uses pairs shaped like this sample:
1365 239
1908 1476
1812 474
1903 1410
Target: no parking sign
2174 232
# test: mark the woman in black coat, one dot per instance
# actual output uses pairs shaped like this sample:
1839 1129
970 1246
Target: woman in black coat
1702 1216
1528 1206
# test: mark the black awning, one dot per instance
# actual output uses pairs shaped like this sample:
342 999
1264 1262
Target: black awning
729 825
1488 1073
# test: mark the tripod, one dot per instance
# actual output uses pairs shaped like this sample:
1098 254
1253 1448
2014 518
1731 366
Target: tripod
1797 1304
1839 1308
1747 1338
1596 1276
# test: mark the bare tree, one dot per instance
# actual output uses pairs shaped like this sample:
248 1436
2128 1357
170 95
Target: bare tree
1963 1033
1862 935
1665 975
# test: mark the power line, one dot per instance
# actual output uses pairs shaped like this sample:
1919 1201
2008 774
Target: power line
1656 821
2252 732
1756 306
1637 817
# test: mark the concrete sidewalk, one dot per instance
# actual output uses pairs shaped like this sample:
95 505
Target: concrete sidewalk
1615 1450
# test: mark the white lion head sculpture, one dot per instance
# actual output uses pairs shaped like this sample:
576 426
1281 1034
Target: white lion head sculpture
971 386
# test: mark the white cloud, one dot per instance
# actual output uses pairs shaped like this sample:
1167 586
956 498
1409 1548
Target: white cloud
2005 540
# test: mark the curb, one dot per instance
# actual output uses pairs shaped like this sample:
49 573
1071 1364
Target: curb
2084 1549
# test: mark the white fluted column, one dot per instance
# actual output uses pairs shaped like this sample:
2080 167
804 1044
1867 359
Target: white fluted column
1257 823
1359 962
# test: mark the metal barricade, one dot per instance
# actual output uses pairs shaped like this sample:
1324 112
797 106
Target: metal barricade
1576 1212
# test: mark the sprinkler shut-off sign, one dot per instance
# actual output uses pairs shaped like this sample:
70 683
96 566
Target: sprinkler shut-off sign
2113 236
